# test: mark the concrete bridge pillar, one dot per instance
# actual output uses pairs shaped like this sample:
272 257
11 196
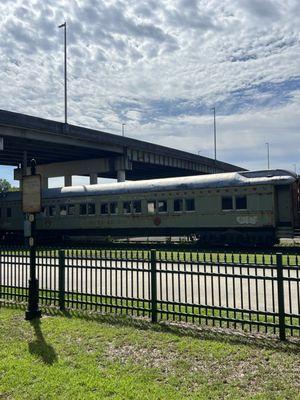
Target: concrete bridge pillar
24 163
121 175
23 168
68 180
93 179
44 182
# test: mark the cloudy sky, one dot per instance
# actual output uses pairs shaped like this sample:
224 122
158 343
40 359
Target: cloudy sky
160 66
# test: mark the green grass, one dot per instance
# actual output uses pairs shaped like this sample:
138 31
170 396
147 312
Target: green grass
82 356
188 256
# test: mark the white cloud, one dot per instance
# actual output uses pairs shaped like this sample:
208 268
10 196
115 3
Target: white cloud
159 66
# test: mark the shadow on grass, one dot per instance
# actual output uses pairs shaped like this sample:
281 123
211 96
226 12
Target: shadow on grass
202 332
40 347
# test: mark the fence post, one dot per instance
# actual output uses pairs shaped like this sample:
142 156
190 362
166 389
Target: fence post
153 287
1 274
61 279
280 290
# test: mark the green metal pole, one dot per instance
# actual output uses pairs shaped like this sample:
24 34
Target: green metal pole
61 278
280 290
153 287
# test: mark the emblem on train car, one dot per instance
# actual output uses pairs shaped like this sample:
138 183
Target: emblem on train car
247 220
157 221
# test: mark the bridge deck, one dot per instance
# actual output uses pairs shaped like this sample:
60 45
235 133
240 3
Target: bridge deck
53 142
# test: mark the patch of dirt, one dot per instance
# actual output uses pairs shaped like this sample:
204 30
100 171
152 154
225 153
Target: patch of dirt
144 356
250 372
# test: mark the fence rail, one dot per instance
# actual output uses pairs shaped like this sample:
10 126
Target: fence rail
253 292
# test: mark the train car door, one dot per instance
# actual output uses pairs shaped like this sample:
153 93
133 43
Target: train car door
296 203
284 205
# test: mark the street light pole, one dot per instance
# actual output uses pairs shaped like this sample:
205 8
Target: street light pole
215 138
64 25
268 154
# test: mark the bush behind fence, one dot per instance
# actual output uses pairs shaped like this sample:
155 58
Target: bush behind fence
253 292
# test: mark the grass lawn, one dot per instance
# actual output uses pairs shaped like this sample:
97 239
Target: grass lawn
77 356
254 256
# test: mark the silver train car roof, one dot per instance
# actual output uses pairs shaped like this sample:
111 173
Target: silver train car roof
235 179
273 177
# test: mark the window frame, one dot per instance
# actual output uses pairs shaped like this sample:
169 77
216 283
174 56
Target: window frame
88 211
232 203
241 197
51 214
116 208
193 202
104 204
154 208
166 204
83 205
133 208
124 208
179 199
63 207
69 206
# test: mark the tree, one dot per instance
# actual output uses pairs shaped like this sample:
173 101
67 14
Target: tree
5 186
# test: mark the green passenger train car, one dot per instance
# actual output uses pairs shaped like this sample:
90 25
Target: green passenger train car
230 208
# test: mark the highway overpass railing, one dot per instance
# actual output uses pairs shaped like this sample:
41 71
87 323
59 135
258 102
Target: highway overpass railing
258 293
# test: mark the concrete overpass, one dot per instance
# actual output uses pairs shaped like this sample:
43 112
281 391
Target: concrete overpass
66 150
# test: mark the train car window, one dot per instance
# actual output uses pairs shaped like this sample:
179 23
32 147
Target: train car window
151 207
178 205
241 202
162 206
82 209
8 212
52 211
71 209
126 207
91 209
137 206
113 208
227 203
63 210
104 208
189 204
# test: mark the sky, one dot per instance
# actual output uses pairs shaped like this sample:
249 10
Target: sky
160 66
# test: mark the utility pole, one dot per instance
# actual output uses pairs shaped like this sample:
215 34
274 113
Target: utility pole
268 154
123 129
64 25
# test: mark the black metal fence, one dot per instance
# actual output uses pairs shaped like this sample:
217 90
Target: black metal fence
253 292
